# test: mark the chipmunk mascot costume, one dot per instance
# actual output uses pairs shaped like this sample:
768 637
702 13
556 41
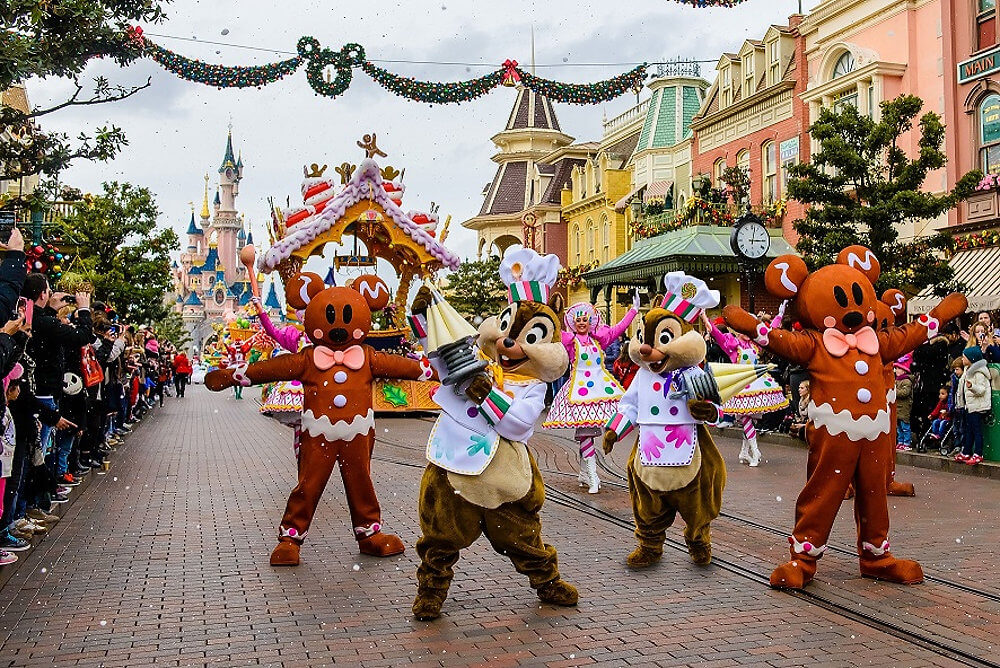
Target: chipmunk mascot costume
338 423
674 466
849 428
481 477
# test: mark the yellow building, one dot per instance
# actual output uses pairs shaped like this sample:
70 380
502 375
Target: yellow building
16 97
596 231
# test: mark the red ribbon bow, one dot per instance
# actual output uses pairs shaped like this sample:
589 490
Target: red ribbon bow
510 75
353 358
837 343
135 36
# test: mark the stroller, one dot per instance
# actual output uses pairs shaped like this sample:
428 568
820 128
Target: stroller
949 445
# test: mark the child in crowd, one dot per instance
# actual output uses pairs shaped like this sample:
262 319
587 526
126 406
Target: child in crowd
940 417
955 408
801 416
7 455
975 394
904 403
992 351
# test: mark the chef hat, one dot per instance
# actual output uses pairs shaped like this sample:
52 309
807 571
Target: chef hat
686 296
528 275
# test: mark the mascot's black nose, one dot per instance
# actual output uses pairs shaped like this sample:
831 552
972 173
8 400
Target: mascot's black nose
853 319
338 335
508 342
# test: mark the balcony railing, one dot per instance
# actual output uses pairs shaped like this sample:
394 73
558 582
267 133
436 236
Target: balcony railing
702 213
626 118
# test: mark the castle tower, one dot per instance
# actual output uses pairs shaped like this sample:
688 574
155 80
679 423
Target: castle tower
227 223
532 133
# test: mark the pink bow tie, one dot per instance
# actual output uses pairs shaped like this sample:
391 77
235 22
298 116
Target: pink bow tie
353 358
837 343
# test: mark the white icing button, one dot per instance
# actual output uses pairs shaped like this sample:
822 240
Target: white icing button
340 401
864 396
340 377
861 367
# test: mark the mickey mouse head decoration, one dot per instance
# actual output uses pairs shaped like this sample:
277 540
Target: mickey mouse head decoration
337 317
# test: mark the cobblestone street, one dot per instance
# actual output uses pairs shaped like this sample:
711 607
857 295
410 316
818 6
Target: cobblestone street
164 561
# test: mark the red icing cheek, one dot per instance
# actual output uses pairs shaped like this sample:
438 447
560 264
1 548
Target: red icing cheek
318 333
829 321
871 316
358 334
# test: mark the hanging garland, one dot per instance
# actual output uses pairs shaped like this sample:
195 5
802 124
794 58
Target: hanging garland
711 3
320 61
45 259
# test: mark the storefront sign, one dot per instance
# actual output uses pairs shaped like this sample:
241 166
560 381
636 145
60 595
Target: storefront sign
790 151
990 119
979 67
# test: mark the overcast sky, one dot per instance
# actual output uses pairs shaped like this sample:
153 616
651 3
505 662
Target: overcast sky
177 129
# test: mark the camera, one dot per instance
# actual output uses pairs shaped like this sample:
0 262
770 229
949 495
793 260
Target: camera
69 299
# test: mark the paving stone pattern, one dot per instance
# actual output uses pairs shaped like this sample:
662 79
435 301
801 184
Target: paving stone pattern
164 562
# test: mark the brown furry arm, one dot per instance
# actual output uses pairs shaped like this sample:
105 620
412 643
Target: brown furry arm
280 367
385 365
797 347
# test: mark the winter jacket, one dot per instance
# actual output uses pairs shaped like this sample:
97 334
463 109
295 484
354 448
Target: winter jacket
50 341
904 399
939 410
181 364
992 354
12 273
974 390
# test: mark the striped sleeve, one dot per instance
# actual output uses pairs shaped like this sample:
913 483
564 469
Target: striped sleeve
621 425
495 406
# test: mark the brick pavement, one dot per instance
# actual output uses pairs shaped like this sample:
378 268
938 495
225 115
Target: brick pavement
164 562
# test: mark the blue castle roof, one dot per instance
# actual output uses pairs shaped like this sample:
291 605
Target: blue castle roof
192 300
250 238
192 228
195 270
211 259
272 298
229 160
218 200
241 235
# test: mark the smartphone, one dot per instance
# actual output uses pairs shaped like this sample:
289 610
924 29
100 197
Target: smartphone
27 307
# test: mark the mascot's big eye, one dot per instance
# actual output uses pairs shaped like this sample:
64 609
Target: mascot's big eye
666 337
348 312
505 317
840 296
331 313
539 332
638 334
859 296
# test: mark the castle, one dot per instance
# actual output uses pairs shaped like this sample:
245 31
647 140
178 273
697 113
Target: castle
210 282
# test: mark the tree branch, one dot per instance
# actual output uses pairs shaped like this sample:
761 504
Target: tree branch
121 94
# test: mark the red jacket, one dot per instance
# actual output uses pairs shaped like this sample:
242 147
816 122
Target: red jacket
625 371
181 364
942 407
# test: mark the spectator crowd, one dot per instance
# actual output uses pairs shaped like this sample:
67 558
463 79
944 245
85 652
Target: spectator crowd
76 381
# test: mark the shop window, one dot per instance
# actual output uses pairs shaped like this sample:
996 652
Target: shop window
720 167
576 243
743 160
989 134
607 242
986 23
846 99
770 159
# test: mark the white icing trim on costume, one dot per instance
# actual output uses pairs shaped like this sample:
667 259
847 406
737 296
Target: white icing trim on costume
806 547
785 281
427 370
367 290
304 290
877 551
341 430
890 396
898 306
240 375
291 532
370 530
762 332
856 427
931 323
854 261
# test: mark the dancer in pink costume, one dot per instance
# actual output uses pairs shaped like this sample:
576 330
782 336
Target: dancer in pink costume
761 396
590 398
284 399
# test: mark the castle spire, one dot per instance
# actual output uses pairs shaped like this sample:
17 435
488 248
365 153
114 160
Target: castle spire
205 213
228 160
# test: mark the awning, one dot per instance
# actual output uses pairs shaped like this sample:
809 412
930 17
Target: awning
658 190
978 269
623 203
699 250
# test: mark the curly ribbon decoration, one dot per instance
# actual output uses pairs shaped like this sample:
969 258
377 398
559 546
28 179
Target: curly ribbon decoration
320 61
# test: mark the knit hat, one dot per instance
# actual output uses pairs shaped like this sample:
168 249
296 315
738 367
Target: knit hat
973 354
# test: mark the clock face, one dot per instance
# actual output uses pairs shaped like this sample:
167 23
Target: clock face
752 241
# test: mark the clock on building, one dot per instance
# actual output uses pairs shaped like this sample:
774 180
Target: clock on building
749 239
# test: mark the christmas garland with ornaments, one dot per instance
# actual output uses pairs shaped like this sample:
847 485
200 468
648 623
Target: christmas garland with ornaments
330 72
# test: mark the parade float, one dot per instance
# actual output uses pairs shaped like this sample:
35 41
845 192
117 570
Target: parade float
364 204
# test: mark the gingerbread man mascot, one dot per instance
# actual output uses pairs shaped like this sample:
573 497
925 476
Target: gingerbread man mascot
338 422
849 412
